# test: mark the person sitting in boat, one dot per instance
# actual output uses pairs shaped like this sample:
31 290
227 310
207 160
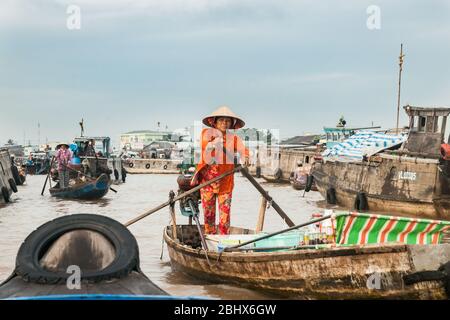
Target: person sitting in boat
89 150
300 174
219 147
63 157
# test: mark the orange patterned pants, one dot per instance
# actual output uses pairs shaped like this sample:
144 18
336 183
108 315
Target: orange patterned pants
209 209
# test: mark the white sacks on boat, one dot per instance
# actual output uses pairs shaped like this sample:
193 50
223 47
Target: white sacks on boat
363 143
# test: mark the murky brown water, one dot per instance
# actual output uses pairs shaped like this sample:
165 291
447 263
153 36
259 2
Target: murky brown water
141 192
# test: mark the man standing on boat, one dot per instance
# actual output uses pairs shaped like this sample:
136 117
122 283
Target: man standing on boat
219 148
63 157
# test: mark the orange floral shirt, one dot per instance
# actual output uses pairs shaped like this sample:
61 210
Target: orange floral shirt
213 156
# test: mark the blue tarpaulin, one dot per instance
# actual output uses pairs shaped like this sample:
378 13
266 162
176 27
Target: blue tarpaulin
363 143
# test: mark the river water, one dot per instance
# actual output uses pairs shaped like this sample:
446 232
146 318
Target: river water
28 210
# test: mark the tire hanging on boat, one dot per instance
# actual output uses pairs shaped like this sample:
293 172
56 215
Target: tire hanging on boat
13 185
361 202
34 247
331 196
124 175
16 175
258 172
131 164
309 183
5 194
147 166
443 274
278 174
165 167
116 174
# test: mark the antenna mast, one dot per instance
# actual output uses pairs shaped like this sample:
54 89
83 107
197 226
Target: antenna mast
400 64
82 127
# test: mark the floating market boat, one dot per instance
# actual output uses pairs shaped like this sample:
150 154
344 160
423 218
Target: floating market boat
373 257
8 183
79 256
96 153
392 173
155 166
280 163
89 190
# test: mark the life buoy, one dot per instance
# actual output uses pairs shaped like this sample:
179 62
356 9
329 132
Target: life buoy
5 194
131 164
309 183
147 166
13 185
331 196
361 202
278 174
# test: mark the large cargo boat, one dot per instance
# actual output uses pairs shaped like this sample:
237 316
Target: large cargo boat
8 183
410 178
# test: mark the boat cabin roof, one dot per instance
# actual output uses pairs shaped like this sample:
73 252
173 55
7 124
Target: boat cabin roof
426 112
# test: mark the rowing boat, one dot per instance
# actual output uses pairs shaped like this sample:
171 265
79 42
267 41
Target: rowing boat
94 189
390 270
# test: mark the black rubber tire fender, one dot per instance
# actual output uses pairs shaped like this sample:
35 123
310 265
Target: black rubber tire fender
16 175
309 183
147 166
124 175
258 172
278 174
361 202
116 174
165 167
331 196
5 194
131 164
32 249
13 185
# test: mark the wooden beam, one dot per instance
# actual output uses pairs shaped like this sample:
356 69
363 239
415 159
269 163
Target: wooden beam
174 221
262 214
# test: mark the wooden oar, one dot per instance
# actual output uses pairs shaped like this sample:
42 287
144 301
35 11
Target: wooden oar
181 196
278 232
48 176
88 176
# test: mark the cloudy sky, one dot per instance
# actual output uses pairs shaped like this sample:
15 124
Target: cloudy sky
292 65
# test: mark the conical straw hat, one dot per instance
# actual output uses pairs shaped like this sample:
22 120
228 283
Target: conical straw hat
224 111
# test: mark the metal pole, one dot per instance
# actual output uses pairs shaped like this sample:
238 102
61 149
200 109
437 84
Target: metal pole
400 64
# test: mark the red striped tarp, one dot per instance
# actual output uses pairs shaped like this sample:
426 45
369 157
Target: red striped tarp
362 228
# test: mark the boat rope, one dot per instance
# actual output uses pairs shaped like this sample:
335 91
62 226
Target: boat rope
209 262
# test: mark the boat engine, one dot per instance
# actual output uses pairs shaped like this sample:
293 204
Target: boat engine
189 205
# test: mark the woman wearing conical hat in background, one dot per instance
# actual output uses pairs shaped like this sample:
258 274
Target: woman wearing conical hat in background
219 147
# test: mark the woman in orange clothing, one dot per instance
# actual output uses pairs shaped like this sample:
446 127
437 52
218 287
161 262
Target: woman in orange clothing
219 147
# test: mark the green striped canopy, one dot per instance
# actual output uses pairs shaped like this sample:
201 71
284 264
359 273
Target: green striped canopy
361 228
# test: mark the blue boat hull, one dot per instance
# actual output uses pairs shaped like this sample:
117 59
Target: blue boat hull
86 191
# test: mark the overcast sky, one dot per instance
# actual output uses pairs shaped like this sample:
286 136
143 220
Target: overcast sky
291 65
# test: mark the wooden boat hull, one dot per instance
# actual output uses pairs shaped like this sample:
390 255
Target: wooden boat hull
390 185
86 191
338 273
